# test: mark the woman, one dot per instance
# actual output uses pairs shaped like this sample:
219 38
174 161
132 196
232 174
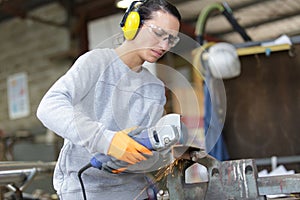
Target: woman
106 92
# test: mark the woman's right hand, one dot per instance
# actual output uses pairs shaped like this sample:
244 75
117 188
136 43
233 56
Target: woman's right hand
124 148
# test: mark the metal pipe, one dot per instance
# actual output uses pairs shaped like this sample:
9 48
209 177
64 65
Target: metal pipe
294 40
14 165
279 160
14 176
21 174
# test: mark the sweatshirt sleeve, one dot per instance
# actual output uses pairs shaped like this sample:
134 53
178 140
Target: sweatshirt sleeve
57 110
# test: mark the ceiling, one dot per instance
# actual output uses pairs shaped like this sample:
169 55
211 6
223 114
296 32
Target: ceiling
261 19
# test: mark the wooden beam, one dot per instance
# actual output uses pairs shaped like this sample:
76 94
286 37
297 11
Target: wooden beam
95 9
259 23
262 49
13 8
234 9
103 12
19 8
189 30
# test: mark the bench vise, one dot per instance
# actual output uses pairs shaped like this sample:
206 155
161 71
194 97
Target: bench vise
198 175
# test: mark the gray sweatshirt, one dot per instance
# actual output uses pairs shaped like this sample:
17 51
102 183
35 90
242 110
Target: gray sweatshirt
97 97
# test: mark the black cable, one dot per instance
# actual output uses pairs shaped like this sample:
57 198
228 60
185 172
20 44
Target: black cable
236 26
80 179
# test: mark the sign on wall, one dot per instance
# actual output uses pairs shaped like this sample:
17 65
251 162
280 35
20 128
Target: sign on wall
17 94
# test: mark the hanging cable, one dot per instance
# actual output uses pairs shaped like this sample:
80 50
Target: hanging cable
80 179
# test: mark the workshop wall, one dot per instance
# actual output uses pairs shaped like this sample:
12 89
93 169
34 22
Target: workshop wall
32 47
263 106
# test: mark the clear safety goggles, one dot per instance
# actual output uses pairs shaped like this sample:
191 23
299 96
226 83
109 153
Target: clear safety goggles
163 35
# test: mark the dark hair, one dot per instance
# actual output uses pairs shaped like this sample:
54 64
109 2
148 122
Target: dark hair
145 10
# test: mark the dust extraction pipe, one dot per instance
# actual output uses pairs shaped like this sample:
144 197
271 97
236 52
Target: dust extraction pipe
226 11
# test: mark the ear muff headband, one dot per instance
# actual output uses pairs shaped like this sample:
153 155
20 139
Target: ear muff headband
131 22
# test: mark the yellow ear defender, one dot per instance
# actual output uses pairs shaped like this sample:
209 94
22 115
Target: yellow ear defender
131 21
131 26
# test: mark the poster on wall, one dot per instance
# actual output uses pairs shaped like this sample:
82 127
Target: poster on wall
17 94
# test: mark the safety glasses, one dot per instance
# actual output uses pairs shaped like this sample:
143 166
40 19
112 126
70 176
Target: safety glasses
163 35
